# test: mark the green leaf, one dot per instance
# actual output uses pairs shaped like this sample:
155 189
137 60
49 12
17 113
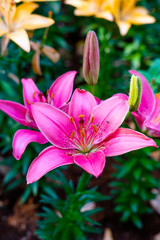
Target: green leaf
11 174
14 184
35 187
134 205
126 215
26 194
91 212
135 187
126 168
137 222
137 173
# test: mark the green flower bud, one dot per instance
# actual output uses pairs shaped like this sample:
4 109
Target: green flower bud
135 93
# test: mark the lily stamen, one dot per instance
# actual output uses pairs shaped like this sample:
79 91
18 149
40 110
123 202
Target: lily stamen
34 94
28 101
72 120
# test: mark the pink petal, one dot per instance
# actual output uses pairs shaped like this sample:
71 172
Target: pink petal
22 138
140 120
148 100
81 105
92 162
125 140
108 116
15 111
65 108
61 90
122 95
31 93
49 159
98 100
153 121
55 125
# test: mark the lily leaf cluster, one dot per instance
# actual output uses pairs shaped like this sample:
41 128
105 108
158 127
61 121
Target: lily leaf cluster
66 218
133 185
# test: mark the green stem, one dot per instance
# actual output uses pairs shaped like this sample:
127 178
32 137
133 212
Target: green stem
128 114
83 182
93 89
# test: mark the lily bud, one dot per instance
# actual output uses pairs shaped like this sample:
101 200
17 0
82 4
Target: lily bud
135 93
91 58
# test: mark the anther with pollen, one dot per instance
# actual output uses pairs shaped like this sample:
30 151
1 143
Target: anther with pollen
34 94
82 133
92 119
28 102
41 95
72 135
47 92
51 96
81 116
94 128
157 95
72 120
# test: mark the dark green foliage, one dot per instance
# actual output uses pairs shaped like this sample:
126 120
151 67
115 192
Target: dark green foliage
63 219
133 186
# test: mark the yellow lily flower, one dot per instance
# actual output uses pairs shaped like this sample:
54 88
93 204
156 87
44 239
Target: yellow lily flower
126 14
16 20
97 8
48 51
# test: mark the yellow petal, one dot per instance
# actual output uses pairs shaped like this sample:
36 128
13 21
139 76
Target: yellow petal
51 53
3 28
140 10
36 63
22 12
106 14
138 17
76 3
83 8
7 12
115 5
83 12
128 6
35 21
123 27
20 37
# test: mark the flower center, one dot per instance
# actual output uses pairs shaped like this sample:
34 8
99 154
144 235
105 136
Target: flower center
84 135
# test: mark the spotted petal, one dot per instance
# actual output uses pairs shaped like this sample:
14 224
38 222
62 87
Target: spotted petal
31 93
108 116
55 125
81 105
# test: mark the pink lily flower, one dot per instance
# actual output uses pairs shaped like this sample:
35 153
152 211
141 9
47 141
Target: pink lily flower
58 95
148 114
89 132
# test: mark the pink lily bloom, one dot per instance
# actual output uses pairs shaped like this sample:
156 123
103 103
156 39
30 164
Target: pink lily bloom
148 114
89 132
58 95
